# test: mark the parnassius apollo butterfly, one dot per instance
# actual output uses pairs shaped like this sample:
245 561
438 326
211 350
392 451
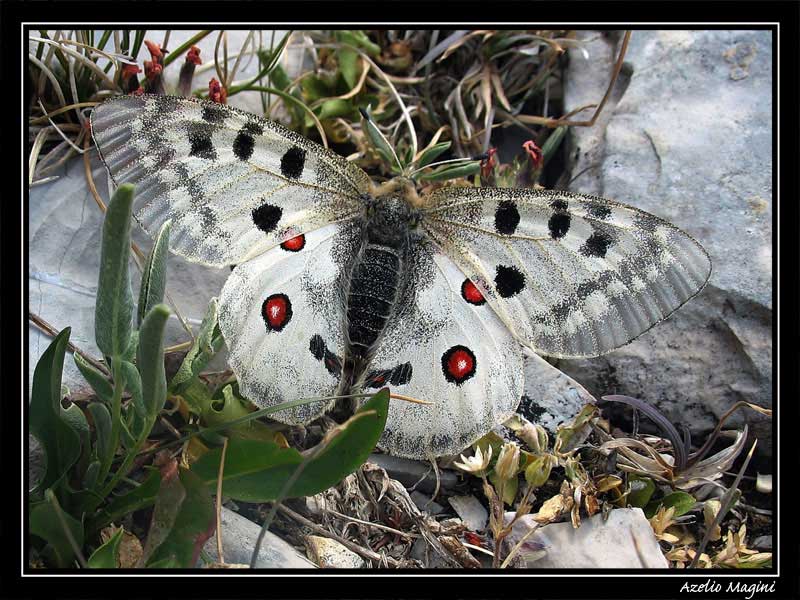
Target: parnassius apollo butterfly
343 285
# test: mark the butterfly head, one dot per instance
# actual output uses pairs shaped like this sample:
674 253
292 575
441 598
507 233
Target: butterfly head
390 216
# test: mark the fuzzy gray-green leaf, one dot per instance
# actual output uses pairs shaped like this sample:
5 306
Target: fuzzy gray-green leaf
154 275
114 307
150 359
99 382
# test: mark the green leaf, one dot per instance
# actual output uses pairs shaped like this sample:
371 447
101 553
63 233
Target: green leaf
430 154
102 426
168 503
193 525
133 383
60 441
377 139
445 173
154 274
99 382
358 39
150 359
139 497
107 555
45 522
642 489
207 343
114 306
348 65
682 502
552 143
90 476
338 107
256 471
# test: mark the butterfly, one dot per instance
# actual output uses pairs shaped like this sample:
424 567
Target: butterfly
344 285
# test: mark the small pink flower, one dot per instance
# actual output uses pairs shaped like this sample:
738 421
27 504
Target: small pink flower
489 163
216 92
193 56
534 152
138 91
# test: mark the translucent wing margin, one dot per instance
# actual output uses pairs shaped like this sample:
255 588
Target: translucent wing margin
570 275
234 185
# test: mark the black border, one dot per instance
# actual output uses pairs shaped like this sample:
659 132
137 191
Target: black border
609 14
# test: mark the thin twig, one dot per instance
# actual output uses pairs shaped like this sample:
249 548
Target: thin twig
45 327
360 550
370 524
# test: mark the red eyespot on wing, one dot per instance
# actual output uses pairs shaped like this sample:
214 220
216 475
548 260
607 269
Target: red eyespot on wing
458 364
471 293
294 244
276 311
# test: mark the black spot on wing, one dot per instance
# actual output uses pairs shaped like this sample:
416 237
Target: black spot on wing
201 145
266 217
319 350
506 218
597 244
243 145
560 219
508 281
599 211
293 162
214 113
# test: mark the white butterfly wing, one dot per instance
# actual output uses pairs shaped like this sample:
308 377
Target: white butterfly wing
233 184
570 275
280 314
443 349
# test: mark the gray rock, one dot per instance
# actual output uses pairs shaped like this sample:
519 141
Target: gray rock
624 541
425 503
330 554
471 511
412 472
551 397
239 537
763 542
689 139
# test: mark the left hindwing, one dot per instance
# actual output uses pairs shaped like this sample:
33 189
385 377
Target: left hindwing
570 275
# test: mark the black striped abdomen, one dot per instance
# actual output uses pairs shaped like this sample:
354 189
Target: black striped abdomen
373 290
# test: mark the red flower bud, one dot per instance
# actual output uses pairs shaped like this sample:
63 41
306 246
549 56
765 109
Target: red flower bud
152 70
155 50
488 163
129 71
216 92
534 152
138 91
193 56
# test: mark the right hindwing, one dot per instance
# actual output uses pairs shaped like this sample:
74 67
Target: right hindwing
233 184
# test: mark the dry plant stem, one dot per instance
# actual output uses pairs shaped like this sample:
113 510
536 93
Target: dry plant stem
58 111
599 109
360 550
517 546
697 456
727 503
373 525
138 254
45 327
220 557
